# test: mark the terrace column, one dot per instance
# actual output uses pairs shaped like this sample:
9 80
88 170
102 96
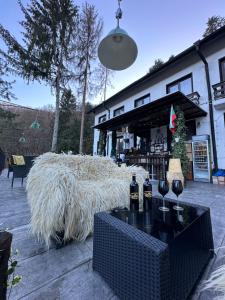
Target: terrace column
102 143
109 143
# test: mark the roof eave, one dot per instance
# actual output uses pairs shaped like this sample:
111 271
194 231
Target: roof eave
183 54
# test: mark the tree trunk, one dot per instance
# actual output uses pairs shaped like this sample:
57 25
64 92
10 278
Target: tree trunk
83 111
56 121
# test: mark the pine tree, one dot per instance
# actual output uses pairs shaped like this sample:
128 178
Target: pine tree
49 43
214 23
67 113
102 142
6 118
5 86
90 28
68 101
69 130
88 130
179 148
157 64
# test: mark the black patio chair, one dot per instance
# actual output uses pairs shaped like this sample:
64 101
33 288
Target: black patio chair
29 161
19 172
22 171
10 163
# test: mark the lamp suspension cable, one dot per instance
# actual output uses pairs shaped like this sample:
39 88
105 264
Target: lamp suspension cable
119 14
117 51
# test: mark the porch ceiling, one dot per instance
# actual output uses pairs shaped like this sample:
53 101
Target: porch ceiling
155 113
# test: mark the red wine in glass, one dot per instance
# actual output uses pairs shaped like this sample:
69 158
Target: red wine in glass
177 188
163 189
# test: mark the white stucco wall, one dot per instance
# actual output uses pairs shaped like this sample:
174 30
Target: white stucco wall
218 113
96 139
158 90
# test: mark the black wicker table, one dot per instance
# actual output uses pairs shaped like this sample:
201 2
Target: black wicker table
154 255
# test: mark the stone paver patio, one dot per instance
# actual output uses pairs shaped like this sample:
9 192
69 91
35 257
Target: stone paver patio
67 273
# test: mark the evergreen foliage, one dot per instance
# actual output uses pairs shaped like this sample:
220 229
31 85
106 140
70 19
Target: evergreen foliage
88 130
157 64
179 148
67 111
5 86
6 115
214 23
68 101
171 57
49 40
89 32
69 125
102 142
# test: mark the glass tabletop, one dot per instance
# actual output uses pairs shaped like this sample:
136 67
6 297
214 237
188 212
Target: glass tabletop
165 226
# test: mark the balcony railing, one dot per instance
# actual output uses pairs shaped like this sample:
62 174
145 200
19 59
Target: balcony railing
156 165
194 97
219 90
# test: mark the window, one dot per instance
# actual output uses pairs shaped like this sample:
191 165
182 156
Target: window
222 69
141 101
118 111
184 85
102 119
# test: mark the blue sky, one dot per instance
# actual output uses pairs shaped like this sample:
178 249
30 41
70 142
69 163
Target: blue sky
159 27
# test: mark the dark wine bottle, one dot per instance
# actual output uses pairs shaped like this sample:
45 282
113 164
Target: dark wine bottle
134 194
147 194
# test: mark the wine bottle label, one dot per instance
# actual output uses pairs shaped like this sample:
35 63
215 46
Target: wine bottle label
134 196
148 194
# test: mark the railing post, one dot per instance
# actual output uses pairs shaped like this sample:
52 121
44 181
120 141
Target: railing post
219 90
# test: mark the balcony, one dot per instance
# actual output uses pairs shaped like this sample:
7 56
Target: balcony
219 95
219 90
194 97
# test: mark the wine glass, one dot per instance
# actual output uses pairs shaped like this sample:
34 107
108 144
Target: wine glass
163 189
177 188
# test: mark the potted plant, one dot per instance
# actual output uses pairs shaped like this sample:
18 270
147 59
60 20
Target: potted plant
8 264
178 142
5 248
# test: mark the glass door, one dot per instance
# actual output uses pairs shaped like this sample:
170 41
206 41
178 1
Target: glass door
201 160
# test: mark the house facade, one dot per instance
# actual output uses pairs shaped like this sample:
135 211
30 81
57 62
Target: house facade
194 80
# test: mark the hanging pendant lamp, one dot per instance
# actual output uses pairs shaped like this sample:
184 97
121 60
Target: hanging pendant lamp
117 51
22 139
35 124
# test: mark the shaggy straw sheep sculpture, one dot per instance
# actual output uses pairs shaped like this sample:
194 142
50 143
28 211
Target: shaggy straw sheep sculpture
65 191
217 282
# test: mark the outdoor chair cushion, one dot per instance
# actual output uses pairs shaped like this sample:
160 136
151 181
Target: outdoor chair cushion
65 191
18 160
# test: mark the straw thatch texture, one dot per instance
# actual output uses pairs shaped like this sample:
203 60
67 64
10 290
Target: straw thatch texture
65 191
175 171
